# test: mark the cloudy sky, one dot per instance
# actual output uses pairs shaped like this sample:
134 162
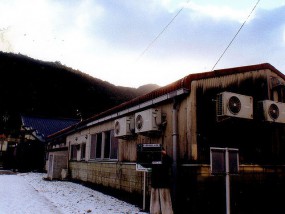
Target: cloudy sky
115 40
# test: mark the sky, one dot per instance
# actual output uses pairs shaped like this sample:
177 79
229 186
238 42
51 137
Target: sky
132 43
29 193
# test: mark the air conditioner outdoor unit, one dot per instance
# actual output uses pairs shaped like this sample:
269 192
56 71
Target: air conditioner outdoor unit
234 105
148 120
273 111
124 126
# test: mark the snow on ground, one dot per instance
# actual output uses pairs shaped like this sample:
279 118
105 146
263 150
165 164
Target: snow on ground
28 193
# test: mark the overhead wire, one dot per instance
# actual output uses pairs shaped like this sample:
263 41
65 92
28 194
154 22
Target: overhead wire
161 32
175 16
235 35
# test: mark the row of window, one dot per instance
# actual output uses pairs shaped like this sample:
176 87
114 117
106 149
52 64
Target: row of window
103 145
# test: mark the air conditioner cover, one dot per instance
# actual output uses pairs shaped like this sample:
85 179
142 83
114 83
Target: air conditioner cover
148 120
124 126
234 105
273 111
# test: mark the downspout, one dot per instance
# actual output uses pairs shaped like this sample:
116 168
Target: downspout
193 151
269 86
174 147
68 158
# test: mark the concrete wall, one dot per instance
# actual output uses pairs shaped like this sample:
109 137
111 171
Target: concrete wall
58 160
109 174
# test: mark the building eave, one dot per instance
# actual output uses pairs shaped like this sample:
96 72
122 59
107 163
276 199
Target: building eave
177 88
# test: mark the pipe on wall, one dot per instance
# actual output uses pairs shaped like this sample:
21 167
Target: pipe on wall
174 149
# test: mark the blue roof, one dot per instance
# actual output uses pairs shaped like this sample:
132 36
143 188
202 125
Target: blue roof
44 127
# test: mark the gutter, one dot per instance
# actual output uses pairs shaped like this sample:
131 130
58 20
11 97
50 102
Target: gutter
144 105
162 98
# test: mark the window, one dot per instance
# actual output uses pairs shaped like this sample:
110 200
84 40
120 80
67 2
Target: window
107 145
110 145
93 146
73 152
99 145
104 146
83 150
114 146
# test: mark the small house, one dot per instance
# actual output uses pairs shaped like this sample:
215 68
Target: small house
32 150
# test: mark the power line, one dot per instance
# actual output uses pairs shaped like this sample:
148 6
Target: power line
161 32
236 35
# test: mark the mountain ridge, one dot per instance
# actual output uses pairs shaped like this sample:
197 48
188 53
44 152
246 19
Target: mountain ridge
34 87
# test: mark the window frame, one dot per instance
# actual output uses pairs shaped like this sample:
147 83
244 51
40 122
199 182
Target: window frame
93 143
83 151
73 152
114 142
104 146
98 149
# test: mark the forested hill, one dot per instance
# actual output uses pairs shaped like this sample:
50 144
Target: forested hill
50 89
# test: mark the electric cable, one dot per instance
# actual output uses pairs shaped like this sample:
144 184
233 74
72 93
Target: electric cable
235 35
161 32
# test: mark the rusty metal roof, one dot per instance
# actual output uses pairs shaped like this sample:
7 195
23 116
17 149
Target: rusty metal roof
185 82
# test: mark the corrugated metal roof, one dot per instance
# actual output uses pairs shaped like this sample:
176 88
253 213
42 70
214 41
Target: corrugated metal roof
46 126
179 84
